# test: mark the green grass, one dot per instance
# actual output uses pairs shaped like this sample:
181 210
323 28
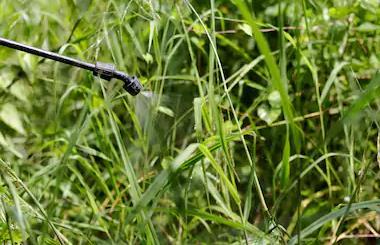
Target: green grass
258 124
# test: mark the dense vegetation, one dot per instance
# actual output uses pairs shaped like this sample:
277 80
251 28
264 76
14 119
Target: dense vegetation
259 123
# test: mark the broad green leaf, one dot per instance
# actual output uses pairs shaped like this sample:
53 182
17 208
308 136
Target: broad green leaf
9 145
245 28
148 58
340 12
165 110
274 99
21 90
10 116
269 115
368 27
198 29
6 77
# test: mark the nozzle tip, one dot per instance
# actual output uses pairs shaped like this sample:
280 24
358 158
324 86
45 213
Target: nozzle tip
131 83
134 86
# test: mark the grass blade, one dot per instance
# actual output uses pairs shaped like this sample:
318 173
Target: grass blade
371 205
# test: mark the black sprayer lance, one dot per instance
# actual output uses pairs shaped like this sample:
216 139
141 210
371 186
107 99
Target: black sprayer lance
105 71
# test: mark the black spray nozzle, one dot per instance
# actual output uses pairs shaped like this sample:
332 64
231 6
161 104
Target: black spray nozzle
103 70
108 71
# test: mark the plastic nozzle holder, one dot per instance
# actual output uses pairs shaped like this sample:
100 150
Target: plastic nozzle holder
104 70
108 71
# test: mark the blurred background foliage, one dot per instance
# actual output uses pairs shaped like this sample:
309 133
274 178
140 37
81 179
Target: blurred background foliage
205 153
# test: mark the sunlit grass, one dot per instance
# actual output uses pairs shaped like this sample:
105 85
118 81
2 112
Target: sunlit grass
257 124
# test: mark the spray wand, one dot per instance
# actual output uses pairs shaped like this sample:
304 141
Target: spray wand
104 70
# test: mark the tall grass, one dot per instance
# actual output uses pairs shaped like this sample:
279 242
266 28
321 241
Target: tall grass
258 123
